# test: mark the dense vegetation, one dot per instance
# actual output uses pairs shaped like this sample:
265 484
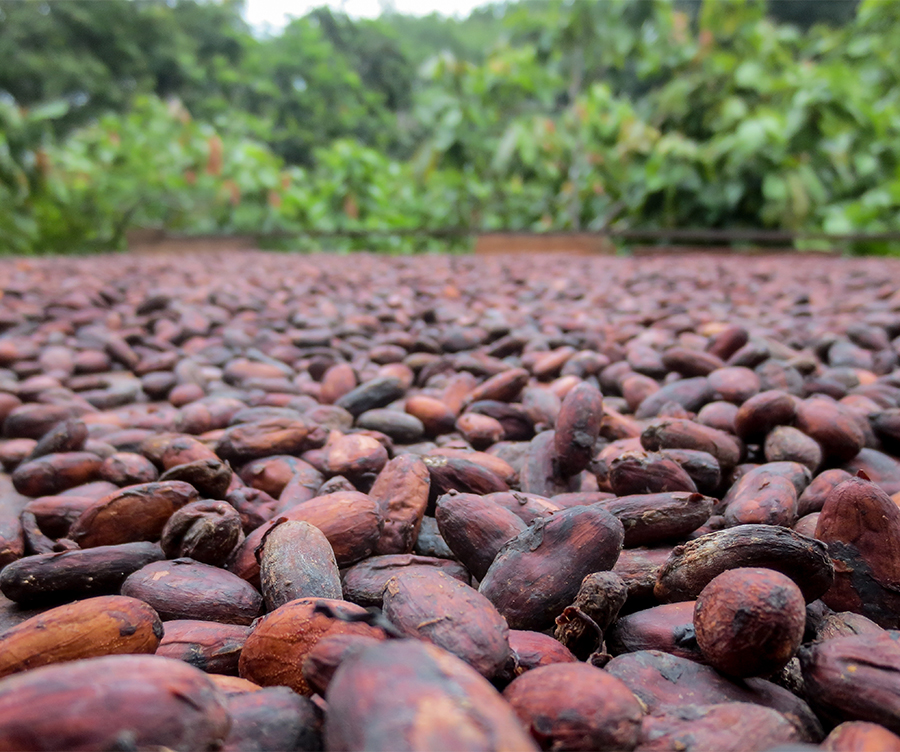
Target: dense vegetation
540 114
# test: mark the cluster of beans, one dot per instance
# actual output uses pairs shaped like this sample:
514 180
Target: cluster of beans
255 501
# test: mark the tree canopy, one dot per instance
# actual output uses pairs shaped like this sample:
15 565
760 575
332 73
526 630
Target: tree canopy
536 114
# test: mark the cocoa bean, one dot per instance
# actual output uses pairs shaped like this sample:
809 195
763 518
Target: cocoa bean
749 621
75 574
576 706
692 566
185 589
211 477
855 678
149 700
668 628
437 702
207 645
427 604
664 682
134 513
206 531
475 529
577 428
729 725
276 648
296 561
106 625
859 525
537 573
271 720
401 491
364 583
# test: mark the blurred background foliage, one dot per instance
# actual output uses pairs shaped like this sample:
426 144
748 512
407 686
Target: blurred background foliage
528 115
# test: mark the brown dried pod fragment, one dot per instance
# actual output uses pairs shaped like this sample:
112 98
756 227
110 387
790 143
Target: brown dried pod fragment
749 621
364 583
427 604
726 727
855 678
860 525
151 701
437 702
296 561
692 566
69 575
475 529
187 589
538 573
107 625
274 651
134 513
581 626
577 707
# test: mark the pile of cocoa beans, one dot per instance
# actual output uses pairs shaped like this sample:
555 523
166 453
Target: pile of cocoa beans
258 501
